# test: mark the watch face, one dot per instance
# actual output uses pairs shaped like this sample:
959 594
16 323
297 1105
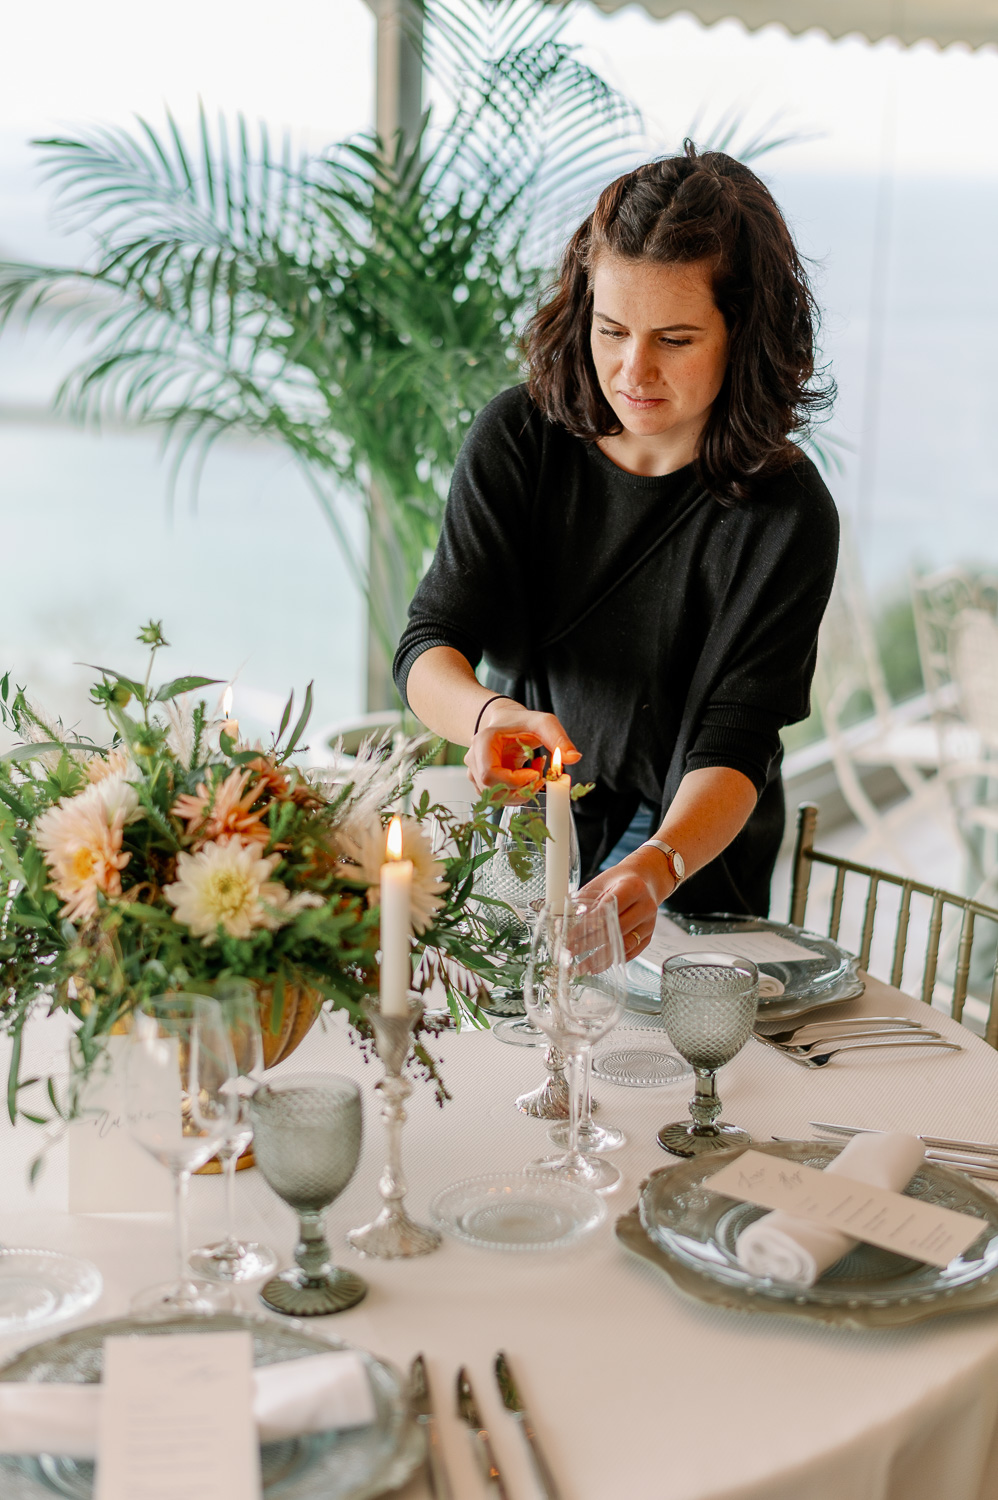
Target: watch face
678 865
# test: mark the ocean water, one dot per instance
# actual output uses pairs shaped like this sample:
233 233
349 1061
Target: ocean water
251 585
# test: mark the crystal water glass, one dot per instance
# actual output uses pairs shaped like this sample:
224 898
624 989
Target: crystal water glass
307 1130
575 990
233 1259
180 1106
709 1003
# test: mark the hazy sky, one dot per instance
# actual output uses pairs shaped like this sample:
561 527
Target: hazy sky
310 68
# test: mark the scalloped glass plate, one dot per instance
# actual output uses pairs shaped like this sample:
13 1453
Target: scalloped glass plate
354 1465
639 1060
696 1231
518 1211
808 984
43 1286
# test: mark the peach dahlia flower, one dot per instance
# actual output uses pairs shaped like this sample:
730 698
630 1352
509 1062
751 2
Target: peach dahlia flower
81 840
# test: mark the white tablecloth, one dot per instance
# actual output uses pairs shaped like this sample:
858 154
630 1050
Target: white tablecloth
637 1393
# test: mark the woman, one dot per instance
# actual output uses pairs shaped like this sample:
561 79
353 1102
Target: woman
638 550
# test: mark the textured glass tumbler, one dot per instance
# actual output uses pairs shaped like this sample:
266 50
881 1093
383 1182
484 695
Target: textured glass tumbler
709 1001
516 877
306 1139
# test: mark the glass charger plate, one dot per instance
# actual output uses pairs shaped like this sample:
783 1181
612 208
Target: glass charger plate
639 1060
691 1234
42 1286
353 1465
517 1211
831 976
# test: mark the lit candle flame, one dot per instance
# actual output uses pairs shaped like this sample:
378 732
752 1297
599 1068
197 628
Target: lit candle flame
556 764
227 703
394 847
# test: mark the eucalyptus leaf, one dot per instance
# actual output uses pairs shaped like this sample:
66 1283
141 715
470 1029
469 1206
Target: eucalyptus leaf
183 685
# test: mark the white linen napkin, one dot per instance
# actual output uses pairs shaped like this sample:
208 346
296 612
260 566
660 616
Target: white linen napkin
794 1250
315 1394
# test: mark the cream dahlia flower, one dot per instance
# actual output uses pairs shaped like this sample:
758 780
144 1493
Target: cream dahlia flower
101 766
363 848
227 885
115 796
81 840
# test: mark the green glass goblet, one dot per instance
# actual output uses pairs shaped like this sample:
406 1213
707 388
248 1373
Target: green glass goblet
307 1133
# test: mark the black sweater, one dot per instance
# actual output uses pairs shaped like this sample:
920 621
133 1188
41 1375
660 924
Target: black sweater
666 631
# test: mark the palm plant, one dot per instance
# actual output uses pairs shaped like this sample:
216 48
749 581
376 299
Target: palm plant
358 307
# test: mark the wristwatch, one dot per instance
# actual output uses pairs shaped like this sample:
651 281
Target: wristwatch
676 862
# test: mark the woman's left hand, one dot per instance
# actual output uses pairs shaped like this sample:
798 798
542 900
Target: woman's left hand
640 882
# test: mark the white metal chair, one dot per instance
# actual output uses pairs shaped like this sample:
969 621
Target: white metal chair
955 620
850 675
938 907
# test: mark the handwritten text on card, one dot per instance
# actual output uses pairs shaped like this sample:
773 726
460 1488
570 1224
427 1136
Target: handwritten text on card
908 1226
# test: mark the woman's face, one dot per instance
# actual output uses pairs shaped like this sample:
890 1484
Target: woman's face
660 346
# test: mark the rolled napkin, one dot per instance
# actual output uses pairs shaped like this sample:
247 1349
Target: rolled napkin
794 1250
316 1394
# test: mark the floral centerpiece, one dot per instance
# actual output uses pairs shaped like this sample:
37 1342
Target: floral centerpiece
176 857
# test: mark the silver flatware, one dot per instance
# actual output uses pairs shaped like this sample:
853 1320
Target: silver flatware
843 1036
985 1168
422 1407
860 1025
513 1403
942 1142
820 1059
467 1410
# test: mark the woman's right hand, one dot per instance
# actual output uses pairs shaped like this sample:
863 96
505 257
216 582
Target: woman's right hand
501 751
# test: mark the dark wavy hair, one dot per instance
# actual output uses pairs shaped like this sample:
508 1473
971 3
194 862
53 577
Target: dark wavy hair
676 211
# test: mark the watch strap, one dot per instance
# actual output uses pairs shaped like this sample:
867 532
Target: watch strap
670 854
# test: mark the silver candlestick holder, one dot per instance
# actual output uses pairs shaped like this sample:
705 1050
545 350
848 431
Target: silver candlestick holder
550 1101
393 1234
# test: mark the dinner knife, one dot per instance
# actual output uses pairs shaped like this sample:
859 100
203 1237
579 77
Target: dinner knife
467 1410
983 1167
513 1403
942 1142
422 1406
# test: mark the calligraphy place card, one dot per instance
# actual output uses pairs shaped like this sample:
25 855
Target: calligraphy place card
908 1226
108 1172
176 1418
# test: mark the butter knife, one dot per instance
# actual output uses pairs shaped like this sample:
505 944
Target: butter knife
422 1406
467 1410
513 1403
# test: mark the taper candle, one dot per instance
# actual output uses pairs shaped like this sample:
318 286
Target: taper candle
396 925
558 817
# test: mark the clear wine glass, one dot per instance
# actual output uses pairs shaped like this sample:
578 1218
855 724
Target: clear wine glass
233 1259
516 876
575 990
306 1136
181 1106
709 1002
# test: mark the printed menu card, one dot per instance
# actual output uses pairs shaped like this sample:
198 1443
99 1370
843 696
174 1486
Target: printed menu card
176 1418
908 1226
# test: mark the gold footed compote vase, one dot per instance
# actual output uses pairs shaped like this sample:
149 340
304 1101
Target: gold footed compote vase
393 1235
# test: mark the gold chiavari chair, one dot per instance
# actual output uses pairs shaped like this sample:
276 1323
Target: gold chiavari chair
942 905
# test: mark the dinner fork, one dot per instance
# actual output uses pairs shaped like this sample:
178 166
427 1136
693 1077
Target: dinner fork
863 1024
819 1059
826 1041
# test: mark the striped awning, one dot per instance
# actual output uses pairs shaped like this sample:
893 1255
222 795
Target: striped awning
974 22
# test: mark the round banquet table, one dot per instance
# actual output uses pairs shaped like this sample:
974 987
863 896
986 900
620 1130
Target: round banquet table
637 1392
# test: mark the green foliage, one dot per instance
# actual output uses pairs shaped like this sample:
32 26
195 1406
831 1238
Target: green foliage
176 791
358 307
